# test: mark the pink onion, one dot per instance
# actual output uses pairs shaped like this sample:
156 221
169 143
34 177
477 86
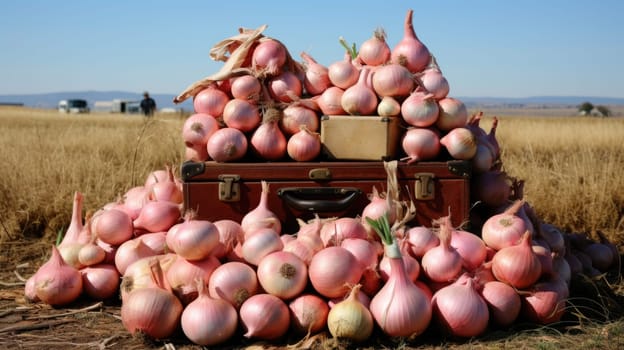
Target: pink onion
460 143
260 243
601 256
157 216
230 234
197 129
375 50
282 274
246 87
360 99
193 239
100 281
546 302
334 231
241 114
442 263
75 236
316 79
227 145
503 302
285 87
470 247
268 141
112 226
517 265
139 273
453 114
183 276
167 189
304 145
56 282
210 101
410 51
332 270
420 239
420 109
268 57
156 241
434 81
208 321
264 316
504 229
364 251
420 144
460 310
131 251
308 313
393 80
233 282
380 204
261 216
329 101
412 267
343 74
491 187
294 116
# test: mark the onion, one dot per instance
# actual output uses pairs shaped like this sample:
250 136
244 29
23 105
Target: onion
260 243
333 270
308 313
268 57
412 267
227 145
156 241
350 319
491 187
112 226
433 81
285 87
420 239
157 216
230 234
375 50
208 321
304 146
393 80
264 316
131 251
460 143
261 216
442 263
210 101
329 101
241 114
282 274
183 275
91 254
167 189
364 251
316 79
153 311
420 109
193 239
504 229
294 116
196 131
133 200
246 87
360 99
343 74
470 247
561 269
268 142
453 114
388 107
400 308
30 293
544 254
420 144
546 302
139 275
100 281
379 205
233 282
503 302
410 51
334 231
460 310
75 236
601 256
517 265
553 236
56 282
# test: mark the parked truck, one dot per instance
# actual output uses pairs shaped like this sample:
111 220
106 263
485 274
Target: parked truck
73 106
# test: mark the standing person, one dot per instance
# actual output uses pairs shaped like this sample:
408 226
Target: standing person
148 105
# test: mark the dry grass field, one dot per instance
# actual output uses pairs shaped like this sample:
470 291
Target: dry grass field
572 167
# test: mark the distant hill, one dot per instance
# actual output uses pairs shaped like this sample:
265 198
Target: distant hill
50 100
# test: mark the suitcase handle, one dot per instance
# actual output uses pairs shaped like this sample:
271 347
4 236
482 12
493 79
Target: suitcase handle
319 199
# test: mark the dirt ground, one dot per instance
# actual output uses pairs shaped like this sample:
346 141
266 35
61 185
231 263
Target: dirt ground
93 324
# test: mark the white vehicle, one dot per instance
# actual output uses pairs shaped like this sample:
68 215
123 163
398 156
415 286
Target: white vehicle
73 106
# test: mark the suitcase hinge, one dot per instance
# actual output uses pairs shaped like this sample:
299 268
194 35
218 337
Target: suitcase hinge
424 188
229 188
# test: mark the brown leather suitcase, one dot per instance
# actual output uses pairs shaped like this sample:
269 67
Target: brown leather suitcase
330 189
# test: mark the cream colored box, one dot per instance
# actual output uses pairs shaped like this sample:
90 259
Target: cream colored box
346 137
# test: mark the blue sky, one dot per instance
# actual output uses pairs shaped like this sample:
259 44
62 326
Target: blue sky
484 47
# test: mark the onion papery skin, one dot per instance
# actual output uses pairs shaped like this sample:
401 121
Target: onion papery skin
56 282
101 281
227 145
460 310
400 308
138 274
334 231
264 316
517 265
435 82
261 216
470 247
412 268
131 251
308 313
375 50
282 274
393 80
442 263
183 276
234 282
210 101
332 270
503 302
410 51
230 234
112 226
420 144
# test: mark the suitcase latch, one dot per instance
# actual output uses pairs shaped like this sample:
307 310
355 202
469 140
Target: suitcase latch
229 188
423 186
319 174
